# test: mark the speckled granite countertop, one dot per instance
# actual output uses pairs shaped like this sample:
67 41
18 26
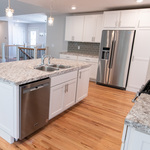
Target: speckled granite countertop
139 116
20 72
79 54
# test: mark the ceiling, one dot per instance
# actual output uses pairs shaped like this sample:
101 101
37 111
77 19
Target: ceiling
20 8
29 18
64 6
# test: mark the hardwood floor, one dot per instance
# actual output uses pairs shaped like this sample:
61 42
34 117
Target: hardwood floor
96 123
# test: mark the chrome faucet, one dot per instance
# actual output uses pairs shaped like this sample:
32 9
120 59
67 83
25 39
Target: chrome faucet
43 58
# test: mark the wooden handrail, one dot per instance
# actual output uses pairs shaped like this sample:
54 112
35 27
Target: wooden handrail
13 45
32 48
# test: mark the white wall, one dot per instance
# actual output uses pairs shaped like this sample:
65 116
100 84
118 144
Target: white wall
148 73
41 29
56 36
3 34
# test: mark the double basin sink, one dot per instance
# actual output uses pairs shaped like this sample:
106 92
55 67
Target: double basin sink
51 67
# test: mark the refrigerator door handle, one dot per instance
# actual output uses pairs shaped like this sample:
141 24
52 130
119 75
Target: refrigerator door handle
112 54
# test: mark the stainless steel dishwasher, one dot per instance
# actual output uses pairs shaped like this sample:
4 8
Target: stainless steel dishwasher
34 106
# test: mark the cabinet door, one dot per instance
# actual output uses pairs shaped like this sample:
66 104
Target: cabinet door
144 18
99 29
128 19
137 141
56 100
90 26
93 71
83 84
69 28
70 93
111 19
140 60
78 23
74 28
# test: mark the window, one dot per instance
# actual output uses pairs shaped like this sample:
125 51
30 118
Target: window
33 37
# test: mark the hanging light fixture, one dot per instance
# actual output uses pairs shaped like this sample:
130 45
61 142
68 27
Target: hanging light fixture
51 19
9 10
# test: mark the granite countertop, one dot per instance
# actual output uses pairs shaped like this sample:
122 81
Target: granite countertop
21 72
139 116
80 54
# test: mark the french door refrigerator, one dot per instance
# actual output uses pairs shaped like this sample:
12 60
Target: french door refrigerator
114 57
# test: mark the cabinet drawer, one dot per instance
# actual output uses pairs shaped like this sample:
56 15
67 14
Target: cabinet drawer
71 57
87 59
63 78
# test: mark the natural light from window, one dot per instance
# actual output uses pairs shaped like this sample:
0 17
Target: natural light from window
33 38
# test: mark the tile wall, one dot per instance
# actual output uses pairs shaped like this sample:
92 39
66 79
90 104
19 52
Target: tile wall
85 48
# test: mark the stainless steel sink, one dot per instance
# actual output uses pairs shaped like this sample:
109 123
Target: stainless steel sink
52 67
59 66
46 68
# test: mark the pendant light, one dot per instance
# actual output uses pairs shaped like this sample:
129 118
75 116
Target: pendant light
51 19
9 10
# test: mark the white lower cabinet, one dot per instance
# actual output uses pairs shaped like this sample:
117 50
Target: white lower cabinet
56 100
90 60
136 140
82 84
69 57
70 94
66 93
62 96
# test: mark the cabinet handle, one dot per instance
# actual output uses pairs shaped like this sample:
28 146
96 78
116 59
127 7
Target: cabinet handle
80 75
72 38
116 23
93 39
119 23
65 88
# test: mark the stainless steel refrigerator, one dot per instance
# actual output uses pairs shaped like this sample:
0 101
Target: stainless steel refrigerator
114 57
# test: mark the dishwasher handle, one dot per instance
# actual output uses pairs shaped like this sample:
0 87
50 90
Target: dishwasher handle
35 88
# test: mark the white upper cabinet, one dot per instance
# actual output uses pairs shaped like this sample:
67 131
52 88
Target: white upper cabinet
92 28
144 18
84 28
74 28
111 19
121 19
128 19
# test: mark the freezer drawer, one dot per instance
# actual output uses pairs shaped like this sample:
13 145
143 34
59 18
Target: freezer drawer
34 106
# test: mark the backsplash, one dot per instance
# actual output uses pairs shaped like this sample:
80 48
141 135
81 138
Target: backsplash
85 48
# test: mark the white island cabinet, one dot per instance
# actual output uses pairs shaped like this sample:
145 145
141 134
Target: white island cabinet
82 84
135 140
68 89
9 111
62 93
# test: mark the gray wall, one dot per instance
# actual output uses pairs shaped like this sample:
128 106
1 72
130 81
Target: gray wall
56 36
3 35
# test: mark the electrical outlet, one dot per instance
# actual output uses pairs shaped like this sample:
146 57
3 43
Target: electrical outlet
78 47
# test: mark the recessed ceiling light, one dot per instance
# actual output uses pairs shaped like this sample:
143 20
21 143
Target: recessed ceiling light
73 7
139 1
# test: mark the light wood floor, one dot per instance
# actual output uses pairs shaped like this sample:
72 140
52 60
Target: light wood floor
96 123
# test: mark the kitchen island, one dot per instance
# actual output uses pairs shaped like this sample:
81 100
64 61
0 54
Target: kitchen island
67 87
136 134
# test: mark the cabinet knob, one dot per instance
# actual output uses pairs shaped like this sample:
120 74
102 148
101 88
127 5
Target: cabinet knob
80 75
93 39
72 38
